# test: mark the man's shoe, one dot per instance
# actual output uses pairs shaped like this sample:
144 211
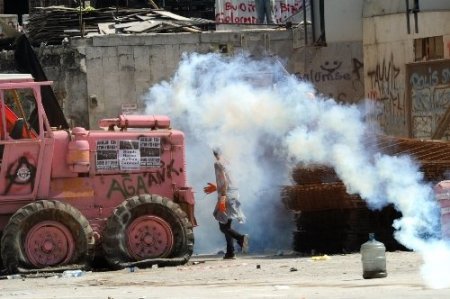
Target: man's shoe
244 244
228 256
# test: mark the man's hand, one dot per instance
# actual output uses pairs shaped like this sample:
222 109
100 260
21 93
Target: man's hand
222 206
210 188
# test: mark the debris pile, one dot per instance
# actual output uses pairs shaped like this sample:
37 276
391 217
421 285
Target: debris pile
50 25
329 220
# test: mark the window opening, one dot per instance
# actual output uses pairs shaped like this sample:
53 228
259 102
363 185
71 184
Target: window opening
429 48
20 108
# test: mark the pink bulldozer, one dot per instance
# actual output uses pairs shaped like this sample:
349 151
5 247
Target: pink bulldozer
70 195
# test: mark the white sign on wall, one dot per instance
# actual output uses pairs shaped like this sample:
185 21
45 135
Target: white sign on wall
244 11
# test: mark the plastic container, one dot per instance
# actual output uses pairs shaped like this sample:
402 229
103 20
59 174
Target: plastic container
73 273
373 256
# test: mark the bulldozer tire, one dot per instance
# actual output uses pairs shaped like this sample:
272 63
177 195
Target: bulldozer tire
148 228
46 235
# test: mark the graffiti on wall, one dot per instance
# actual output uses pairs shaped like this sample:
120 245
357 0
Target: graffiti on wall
128 186
328 71
335 73
388 93
358 68
244 11
429 91
22 172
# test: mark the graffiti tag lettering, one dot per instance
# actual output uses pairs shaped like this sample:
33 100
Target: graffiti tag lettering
329 72
251 7
388 92
384 77
244 11
446 76
357 66
289 8
429 95
384 83
419 81
127 187
431 79
232 19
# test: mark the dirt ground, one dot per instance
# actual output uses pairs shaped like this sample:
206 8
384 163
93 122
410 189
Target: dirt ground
250 276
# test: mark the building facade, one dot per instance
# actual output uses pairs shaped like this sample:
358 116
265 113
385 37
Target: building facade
407 69
348 50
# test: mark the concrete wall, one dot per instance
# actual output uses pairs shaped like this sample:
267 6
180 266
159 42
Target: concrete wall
337 70
121 69
96 77
386 7
343 20
387 53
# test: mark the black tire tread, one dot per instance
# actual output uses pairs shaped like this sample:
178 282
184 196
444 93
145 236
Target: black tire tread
12 251
114 247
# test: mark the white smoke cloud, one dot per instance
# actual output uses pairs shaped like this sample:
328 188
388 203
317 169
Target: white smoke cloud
435 270
264 120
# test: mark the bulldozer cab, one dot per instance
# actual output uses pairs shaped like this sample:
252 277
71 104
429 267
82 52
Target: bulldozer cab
20 145
20 112
70 195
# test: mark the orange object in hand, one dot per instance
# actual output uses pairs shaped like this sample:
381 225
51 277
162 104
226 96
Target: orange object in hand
222 207
210 188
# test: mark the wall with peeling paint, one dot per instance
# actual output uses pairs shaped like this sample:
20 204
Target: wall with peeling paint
387 53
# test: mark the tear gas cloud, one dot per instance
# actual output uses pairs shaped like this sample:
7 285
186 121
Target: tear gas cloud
265 121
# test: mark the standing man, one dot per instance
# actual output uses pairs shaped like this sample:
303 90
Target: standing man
228 206
265 10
